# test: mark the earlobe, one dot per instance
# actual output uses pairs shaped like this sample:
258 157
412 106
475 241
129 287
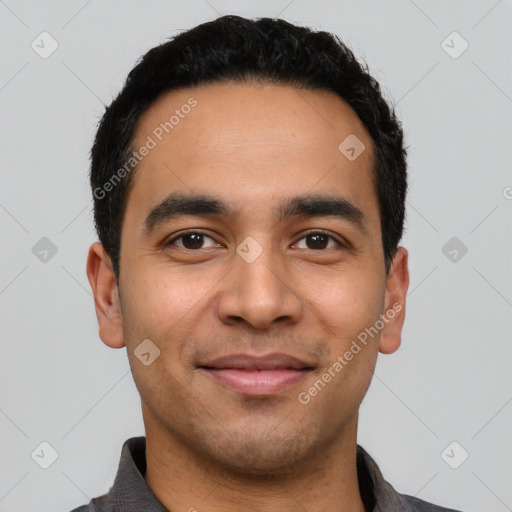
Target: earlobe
106 298
395 295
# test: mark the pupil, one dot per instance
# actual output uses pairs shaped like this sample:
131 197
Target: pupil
316 244
195 240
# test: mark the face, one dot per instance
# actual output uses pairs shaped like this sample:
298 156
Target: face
282 258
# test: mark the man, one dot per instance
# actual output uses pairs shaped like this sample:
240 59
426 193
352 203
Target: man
249 185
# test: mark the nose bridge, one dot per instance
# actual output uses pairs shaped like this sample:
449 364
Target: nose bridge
258 290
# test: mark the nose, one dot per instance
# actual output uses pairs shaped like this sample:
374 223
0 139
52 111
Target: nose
259 293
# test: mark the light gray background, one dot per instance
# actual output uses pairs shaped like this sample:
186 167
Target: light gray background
450 380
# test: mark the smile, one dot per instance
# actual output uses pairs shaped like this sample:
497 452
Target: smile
257 376
257 382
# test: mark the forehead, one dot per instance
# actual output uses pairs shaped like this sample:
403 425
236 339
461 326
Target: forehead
250 144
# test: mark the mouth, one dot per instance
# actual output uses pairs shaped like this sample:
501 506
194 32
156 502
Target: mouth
257 376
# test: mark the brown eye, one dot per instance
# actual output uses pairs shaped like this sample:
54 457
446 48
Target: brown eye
318 240
191 240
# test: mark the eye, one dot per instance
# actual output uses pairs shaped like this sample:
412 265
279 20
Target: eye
319 240
191 240
195 240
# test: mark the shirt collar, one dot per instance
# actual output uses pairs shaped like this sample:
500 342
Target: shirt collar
131 492
377 494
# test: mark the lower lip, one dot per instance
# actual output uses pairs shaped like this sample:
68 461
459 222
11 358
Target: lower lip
258 382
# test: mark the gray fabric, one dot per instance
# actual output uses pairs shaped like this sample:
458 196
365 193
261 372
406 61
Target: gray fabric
130 493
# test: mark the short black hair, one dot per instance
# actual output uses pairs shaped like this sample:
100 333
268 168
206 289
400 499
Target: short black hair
236 49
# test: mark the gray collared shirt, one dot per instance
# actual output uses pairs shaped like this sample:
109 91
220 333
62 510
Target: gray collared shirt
130 493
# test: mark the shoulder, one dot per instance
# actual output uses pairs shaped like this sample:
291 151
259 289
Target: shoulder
381 495
97 505
417 505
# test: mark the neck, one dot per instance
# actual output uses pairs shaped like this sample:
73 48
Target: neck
184 480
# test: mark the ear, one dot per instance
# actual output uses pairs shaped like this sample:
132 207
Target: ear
394 303
106 296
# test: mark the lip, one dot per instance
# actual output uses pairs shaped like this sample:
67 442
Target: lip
257 376
274 361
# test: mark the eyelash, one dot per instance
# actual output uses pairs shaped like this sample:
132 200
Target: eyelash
195 232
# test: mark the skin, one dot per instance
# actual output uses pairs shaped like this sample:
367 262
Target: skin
208 446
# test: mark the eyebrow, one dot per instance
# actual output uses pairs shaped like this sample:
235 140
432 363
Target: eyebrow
178 204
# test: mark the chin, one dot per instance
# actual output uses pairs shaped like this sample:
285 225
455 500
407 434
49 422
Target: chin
265 454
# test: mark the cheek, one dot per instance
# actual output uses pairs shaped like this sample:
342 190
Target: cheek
346 304
160 296
166 305
159 306
349 305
